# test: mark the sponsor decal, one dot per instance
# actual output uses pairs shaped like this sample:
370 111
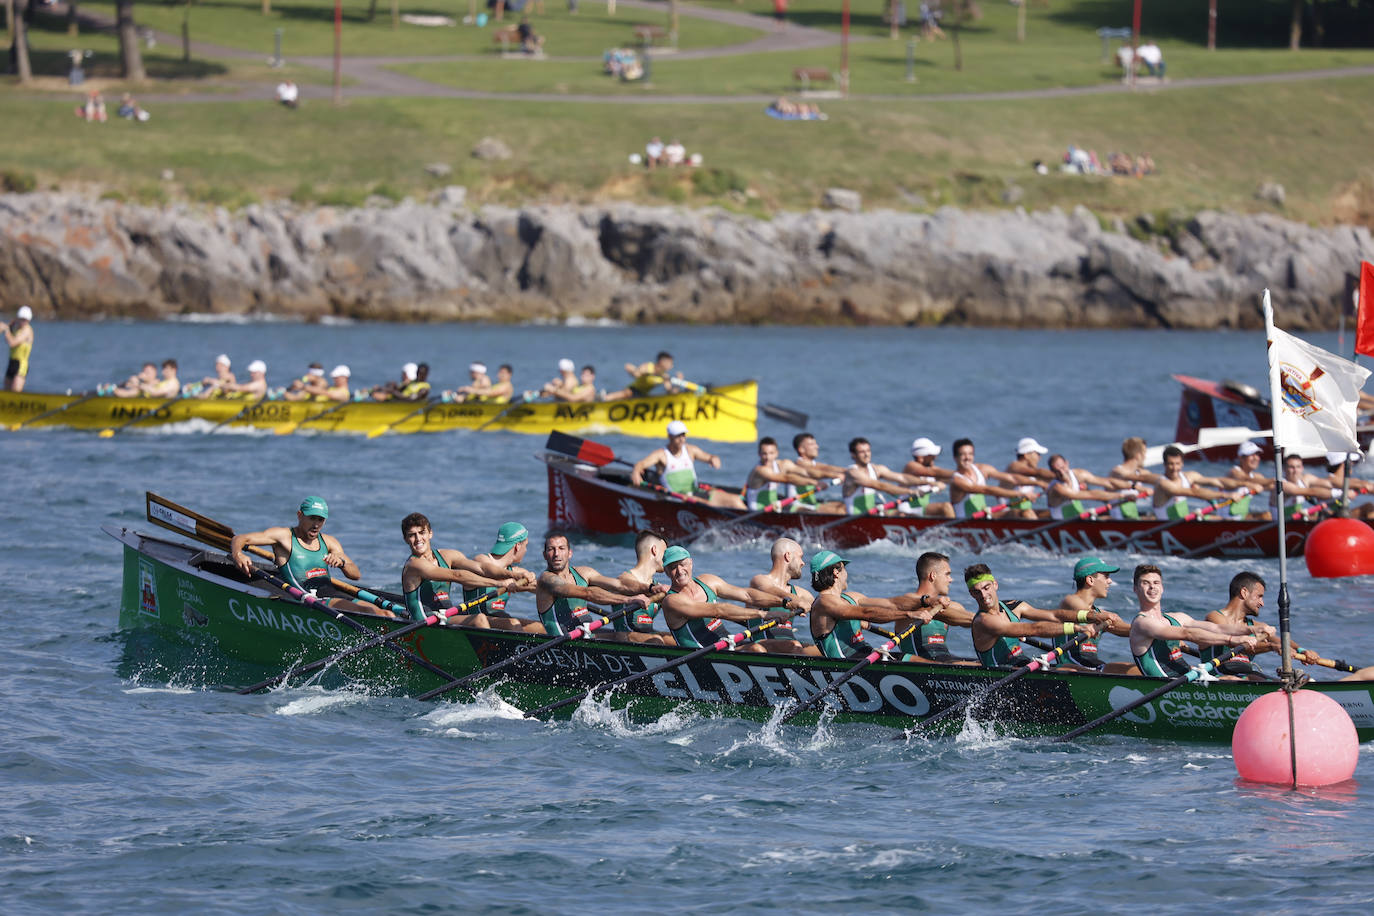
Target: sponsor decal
1121 696
569 412
1359 705
172 517
147 589
285 621
317 572
704 408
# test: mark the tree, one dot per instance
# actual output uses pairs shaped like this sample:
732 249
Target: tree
131 59
19 51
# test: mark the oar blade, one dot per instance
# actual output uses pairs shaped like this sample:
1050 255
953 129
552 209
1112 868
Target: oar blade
107 434
786 415
579 448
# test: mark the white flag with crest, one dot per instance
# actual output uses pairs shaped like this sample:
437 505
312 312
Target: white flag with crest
1315 393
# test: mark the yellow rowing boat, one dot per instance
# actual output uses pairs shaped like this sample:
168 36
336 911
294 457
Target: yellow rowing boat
727 413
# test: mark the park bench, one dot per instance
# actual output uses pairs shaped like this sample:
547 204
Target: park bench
646 35
805 76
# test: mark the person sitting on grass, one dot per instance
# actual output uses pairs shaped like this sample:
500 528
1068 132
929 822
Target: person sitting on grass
288 93
530 43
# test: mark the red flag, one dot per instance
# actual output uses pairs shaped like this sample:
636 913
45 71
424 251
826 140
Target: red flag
1364 325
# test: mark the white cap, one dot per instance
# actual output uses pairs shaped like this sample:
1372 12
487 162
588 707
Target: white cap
1028 445
1335 458
922 447
340 370
318 373
566 365
410 370
25 313
223 358
1248 448
677 428
478 369
257 365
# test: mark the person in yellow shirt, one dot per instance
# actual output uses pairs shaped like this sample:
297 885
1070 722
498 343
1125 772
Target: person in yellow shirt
19 338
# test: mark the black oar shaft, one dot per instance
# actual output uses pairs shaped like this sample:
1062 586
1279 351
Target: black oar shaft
56 410
843 679
1192 675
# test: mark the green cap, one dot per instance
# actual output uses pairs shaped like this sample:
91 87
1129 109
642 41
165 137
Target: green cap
507 536
824 559
1089 565
675 554
315 505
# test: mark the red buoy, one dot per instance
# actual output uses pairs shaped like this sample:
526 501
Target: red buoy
1340 547
1327 745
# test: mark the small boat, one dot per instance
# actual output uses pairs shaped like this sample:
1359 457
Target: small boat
727 413
601 502
186 596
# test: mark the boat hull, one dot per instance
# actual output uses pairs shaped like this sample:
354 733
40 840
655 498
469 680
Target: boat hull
728 413
580 500
166 590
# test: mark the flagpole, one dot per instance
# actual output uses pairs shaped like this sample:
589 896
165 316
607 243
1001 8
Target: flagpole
1275 399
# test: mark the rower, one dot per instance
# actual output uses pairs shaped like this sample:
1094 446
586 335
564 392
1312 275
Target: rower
564 381
1335 469
808 450
338 384
169 386
564 590
646 377
305 555
929 480
1245 599
256 386
213 386
676 464
1156 636
1174 487
969 488
1067 493
1027 464
788 564
864 480
512 540
428 575
695 613
927 643
1130 472
309 387
583 391
999 625
19 338
409 388
637 624
839 617
135 385
1092 580
761 488
479 383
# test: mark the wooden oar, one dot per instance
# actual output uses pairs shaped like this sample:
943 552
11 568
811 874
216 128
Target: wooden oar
717 646
56 410
1192 674
579 632
110 431
240 415
1250 532
1035 664
785 414
1039 529
372 643
286 429
843 679
423 408
1333 663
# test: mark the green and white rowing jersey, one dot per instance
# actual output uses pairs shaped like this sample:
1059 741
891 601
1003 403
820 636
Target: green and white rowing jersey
846 640
679 471
1164 658
1005 650
429 595
699 632
305 568
761 497
863 499
565 614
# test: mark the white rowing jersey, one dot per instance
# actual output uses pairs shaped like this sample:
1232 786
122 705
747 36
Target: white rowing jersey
973 503
862 499
679 471
758 497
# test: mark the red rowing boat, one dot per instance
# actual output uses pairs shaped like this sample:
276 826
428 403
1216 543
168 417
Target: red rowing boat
600 501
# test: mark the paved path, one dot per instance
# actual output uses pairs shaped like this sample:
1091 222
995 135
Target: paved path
369 77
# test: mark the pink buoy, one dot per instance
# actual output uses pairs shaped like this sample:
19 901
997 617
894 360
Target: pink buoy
1327 746
1340 547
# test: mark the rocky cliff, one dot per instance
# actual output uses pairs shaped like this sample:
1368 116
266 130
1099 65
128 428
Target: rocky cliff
72 257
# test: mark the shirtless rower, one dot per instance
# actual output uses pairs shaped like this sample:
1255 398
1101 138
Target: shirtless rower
928 643
695 613
1245 599
19 339
1174 487
581 392
789 562
1132 467
929 480
969 487
1156 636
430 573
839 616
808 450
135 385
168 386
1092 580
253 389
564 590
637 624
305 555
213 386
645 377
762 488
1246 472
676 463
999 625
512 540
309 387
1027 464
864 480
1072 487
338 384
564 381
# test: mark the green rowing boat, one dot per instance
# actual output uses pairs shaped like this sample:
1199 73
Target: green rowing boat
196 597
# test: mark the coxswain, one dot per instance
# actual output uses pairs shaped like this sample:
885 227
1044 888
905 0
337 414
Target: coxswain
929 479
305 555
1156 636
864 480
213 386
676 465
839 616
1092 580
430 573
969 488
564 590
1071 487
808 452
998 625
645 377
1245 599
503 560
636 624
789 562
256 386
696 615
929 641
19 338
766 481
1174 487
1027 464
